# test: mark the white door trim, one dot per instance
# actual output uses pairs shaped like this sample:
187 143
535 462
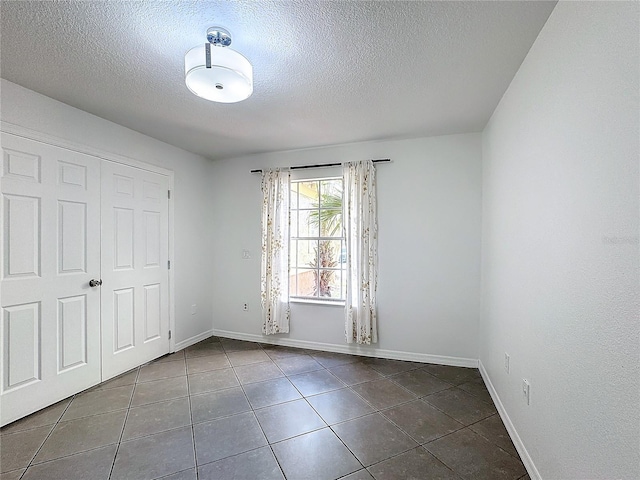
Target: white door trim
20 131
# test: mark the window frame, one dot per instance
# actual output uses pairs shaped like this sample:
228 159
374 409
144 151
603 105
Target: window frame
294 267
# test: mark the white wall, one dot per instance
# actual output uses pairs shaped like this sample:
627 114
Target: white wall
429 207
191 193
560 263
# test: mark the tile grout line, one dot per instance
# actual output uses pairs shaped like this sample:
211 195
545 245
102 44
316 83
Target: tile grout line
256 417
124 424
193 433
411 449
47 437
330 427
54 425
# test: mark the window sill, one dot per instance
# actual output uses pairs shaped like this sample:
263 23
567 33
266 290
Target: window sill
307 301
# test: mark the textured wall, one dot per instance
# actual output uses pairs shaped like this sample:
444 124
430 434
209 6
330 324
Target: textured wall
429 245
560 263
191 193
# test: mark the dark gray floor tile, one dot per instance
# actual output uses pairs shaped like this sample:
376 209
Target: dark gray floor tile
256 464
277 352
339 405
297 364
287 420
525 477
478 388
258 372
357 372
233 445
128 378
155 456
211 339
271 392
373 438
159 390
247 357
172 357
83 434
227 436
99 401
494 430
453 375
460 405
383 393
94 464
205 364
473 457
19 448
156 418
46 416
212 405
360 475
414 464
189 474
212 381
390 367
420 382
313 383
422 421
158 371
203 349
231 345
13 475
318 455
331 359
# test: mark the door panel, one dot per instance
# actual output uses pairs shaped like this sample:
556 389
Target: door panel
135 289
72 232
22 340
22 249
50 250
72 330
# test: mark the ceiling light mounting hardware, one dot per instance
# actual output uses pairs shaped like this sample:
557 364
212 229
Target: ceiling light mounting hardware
218 74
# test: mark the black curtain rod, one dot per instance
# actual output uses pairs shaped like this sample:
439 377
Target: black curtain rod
320 165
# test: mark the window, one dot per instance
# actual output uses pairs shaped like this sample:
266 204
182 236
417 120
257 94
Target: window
317 247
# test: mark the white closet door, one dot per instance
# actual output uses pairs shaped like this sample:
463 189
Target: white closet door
135 276
50 328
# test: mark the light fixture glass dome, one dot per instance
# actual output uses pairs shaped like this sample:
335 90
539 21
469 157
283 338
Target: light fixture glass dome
229 78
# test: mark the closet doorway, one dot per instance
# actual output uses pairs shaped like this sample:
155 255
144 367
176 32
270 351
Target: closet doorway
84 290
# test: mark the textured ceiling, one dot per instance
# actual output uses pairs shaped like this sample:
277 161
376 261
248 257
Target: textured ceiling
324 72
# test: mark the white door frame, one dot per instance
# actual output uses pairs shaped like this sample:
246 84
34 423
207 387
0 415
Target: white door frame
30 134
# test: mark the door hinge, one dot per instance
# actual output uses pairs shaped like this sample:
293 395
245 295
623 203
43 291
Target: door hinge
169 194
169 334
169 264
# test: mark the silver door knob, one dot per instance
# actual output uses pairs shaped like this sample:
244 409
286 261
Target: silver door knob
95 283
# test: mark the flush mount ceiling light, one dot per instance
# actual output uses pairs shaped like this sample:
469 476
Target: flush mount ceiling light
217 73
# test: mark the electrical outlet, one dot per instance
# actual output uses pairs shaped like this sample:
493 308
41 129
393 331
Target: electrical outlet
194 309
526 390
245 306
507 358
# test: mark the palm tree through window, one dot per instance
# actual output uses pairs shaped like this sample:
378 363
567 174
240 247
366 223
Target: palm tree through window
317 255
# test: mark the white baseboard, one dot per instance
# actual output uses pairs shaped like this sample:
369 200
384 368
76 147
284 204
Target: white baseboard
351 349
515 438
193 340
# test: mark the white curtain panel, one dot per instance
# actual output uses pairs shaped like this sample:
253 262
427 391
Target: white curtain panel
275 251
360 222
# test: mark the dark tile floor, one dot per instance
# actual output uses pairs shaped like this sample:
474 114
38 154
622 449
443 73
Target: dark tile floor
227 409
